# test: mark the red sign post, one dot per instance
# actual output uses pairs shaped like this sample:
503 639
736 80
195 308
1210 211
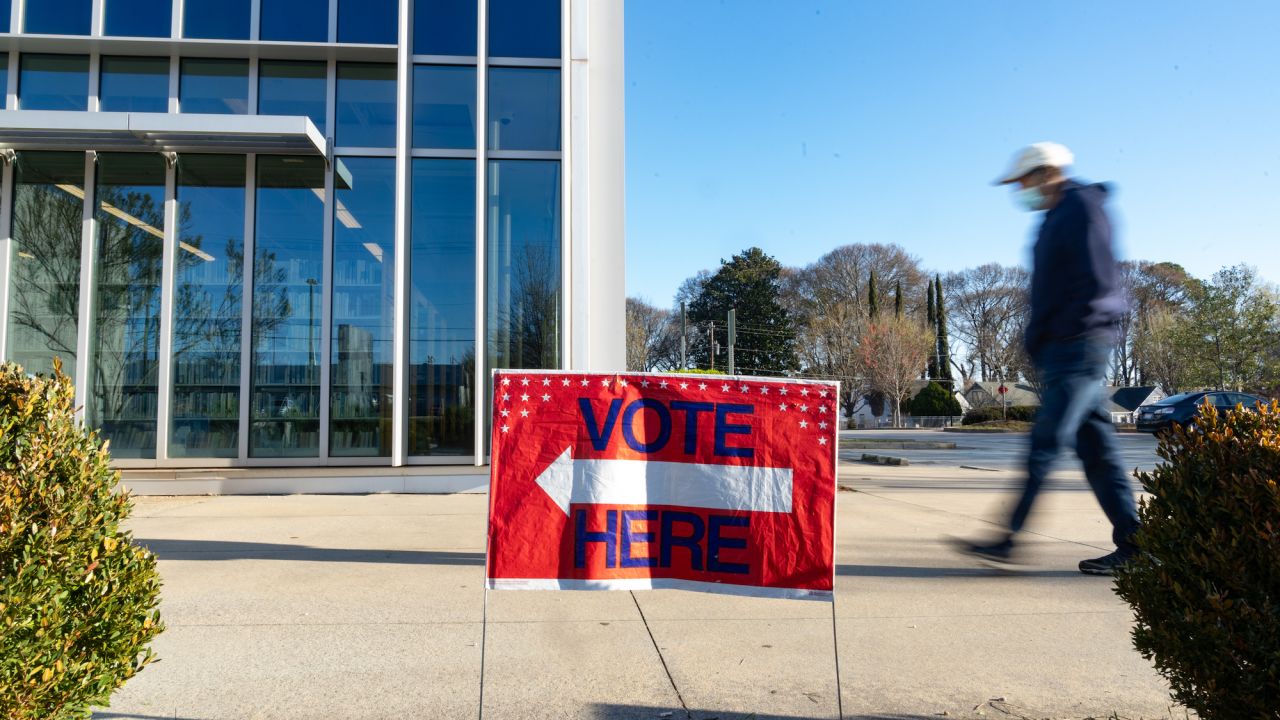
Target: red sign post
636 481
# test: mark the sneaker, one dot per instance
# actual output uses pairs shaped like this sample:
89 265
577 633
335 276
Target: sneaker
1106 564
998 554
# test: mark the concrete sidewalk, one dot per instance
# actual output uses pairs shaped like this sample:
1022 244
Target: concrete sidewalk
370 607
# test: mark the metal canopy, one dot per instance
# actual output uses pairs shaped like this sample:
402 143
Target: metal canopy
160 132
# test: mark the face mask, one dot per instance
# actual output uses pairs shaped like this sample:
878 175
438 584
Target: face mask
1030 198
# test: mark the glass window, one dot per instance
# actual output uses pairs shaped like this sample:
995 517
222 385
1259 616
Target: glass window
4 78
444 27
139 18
369 21
286 87
524 28
53 82
217 19
524 109
295 20
125 336
208 291
444 106
442 309
44 268
366 105
288 300
134 84
522 264
361 360
214 86
6 11
57 17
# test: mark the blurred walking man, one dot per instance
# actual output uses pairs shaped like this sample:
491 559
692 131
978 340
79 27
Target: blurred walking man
1076 301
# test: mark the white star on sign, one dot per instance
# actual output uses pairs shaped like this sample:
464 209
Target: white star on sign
822 441
506 428
822 425
684 386
724 388
604 382
764 390
644 383
782 406
585 382
524 413
545 397
804 392
565 382
742 388
506 396
804 424
505 412
663 384
822 394
546 381
524 381
702 386
506 381
623 383
783 391
524 397
804 408
822 408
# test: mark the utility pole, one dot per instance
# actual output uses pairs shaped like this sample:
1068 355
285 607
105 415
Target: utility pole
684 361
733 337
713 346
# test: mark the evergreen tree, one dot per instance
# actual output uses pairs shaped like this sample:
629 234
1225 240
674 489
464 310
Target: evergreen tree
897 300
944 348
932 369
749 283
873 297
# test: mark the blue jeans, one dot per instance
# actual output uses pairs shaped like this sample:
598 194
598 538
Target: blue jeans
1072 413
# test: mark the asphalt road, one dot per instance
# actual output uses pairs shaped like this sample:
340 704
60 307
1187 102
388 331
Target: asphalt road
993 451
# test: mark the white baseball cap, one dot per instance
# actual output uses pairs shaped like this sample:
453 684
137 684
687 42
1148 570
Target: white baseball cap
1041 154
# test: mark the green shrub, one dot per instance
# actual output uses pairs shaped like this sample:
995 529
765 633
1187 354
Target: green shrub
1206 590
1025 413
698 371
77 597
934 401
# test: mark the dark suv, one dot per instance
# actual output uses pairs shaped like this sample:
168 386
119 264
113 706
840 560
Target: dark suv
1183 407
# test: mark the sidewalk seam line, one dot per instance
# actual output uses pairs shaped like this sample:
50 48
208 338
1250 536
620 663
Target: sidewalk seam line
661 659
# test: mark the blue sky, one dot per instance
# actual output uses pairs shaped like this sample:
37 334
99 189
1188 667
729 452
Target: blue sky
799 126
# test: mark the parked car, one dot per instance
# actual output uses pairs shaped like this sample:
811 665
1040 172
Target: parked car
1183 407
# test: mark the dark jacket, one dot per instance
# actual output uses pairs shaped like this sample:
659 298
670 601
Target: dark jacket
1075 282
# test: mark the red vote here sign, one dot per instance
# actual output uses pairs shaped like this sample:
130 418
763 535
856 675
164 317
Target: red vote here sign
637 481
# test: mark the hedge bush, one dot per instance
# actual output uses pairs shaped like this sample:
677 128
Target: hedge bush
934 401
77 598
1026 413
1206 589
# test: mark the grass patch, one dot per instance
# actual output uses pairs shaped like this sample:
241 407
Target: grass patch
995 426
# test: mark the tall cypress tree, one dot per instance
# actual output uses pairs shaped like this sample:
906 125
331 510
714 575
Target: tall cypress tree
944 347
932 370
897 300
873 297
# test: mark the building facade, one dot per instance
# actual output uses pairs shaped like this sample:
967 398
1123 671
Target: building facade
302 233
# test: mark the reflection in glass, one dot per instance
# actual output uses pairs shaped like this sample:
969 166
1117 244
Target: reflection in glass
294 20
286 87
57 17
363 303
134 84
4 78
139 18
284 411
524 108
125 340
44 268
444 27
219 19
6 11
524 28
53 82
522 264
214 86
370 21
208 280
444 106
366 105
442 309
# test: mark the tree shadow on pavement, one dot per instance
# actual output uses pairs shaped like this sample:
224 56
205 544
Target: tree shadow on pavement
102 715
639 712
229 550
927 573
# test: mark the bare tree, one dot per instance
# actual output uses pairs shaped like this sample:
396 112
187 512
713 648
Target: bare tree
988 306
892 352
653 337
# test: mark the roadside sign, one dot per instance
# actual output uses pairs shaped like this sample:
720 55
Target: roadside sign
638 481
1002 390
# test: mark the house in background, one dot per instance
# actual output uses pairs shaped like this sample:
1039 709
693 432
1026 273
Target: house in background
863 417
987 394
1123 402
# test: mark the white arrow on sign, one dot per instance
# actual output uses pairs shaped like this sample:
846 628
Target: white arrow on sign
648 482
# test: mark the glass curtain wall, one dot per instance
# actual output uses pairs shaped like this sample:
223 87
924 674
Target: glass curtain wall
44 268
57 17
522 264
207 301
289 87
134 84
362 357
442 310
138 18
53 82
125 335
288 302
214 85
